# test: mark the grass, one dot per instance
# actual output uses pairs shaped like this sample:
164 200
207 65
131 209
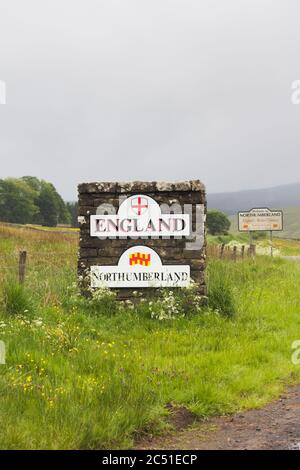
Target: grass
282 247
54 229
286 247
78 379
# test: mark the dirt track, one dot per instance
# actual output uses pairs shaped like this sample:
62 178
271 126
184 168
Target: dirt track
276 426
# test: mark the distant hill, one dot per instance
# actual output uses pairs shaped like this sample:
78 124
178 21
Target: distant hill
274 198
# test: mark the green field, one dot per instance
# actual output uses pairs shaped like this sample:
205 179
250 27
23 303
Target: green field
87 374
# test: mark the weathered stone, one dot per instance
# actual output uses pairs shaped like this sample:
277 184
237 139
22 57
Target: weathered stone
88 252
176 196
86 210
97 187
164 186
196 185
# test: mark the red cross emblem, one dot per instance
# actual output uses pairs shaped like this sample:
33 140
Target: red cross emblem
139 205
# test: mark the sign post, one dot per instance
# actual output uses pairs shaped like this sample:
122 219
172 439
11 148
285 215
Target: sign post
260 220
271 242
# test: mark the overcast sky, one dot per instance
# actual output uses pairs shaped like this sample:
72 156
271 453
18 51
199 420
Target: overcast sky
150 89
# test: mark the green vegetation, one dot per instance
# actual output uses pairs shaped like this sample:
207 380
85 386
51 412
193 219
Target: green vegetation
29 200
217 223
281 247
16 299
87 374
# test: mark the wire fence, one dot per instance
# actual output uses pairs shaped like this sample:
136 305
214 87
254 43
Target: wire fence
22 261
229 252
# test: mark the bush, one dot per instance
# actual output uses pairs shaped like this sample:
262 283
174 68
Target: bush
17 300
95 301
171 304
103 301
217 223
259 235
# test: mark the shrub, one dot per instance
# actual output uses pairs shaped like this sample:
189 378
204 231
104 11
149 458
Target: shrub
217 223
17 300
177 303
103 300
95 301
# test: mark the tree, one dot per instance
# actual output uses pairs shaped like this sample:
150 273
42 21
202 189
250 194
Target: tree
73 210
64 216
17 201
48 206
33 182
57 210
217 223
30 200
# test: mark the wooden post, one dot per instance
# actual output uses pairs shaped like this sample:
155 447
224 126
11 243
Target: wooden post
243 251
22 266
234 253
250 238
222 250
252 250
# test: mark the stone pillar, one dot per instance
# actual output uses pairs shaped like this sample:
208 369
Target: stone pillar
188 196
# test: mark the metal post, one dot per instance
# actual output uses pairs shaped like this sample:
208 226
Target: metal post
271 241
250 242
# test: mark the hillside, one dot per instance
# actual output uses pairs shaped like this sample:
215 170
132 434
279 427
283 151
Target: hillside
274 198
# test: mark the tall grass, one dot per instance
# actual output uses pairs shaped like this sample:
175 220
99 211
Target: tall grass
220 293
16 299
75 379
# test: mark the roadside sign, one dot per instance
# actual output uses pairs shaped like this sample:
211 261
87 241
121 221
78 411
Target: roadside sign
260 219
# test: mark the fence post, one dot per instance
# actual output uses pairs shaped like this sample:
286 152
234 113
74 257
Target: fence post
243 251
234 253
252 250
22 266
222 250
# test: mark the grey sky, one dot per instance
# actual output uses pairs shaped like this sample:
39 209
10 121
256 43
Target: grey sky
156 89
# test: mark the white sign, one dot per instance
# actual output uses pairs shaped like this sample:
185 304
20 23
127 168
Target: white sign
139 215
260 220
140 266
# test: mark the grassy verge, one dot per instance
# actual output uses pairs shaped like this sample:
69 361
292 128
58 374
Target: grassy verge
78 377
281 247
